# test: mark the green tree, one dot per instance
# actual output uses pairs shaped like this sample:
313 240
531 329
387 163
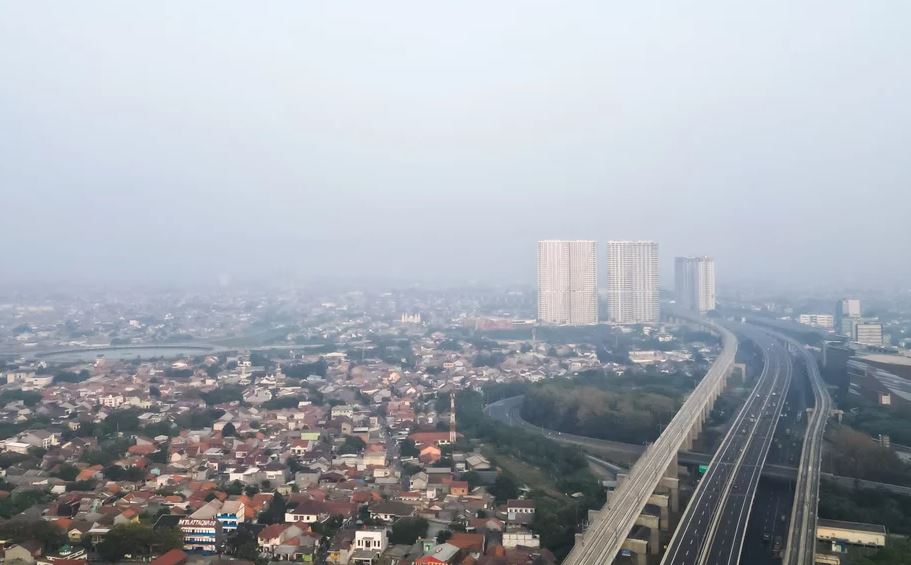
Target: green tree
235 488
504 488
407 448
66 472
138 540
472 478
49 534
228 430
352 444
275 511
443 536
407 530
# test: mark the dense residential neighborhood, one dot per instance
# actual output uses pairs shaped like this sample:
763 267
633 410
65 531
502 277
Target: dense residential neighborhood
349 452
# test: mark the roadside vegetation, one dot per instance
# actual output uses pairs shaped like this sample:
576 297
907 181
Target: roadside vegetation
851 453
557 478
871 506
632 408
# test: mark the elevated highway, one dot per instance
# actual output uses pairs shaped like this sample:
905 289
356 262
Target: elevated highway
714 525
801 545
611 526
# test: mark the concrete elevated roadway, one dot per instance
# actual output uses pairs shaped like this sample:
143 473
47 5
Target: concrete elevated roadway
801 545
610 527
714 525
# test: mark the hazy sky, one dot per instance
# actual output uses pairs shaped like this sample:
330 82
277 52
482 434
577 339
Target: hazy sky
439 140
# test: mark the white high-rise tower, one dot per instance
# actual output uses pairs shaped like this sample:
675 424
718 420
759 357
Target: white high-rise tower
632 282
567 282
694 282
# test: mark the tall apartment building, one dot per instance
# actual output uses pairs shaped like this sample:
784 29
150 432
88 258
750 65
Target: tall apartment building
847 313
694 282
567 282
632 282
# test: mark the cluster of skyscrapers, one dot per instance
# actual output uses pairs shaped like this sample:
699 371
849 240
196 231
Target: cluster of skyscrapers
568 282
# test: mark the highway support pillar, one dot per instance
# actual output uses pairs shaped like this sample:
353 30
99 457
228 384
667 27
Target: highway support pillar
740 369
654 535
638 547
593 515
672 486
662 501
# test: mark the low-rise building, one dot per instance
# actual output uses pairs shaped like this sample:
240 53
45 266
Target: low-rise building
852 533
201 534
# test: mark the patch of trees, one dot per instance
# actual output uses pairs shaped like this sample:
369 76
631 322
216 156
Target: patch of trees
178 373
486 358
352 444
121 421
407 530
866 505
856 455
275 511
20 501
66 472
118 473
304 370
82 486
407 448
566 467
28 397
260 359
223 395
894 421
107 452
504 488
634 417
199 418
163 428
18 531
896 552
72 377
283 402
138 540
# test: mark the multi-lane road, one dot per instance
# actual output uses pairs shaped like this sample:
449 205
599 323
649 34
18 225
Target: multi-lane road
714 525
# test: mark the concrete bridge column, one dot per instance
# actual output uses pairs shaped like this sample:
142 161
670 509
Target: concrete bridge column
672 485
672 468
592 515
662 501
654 536
741 371
687 443
638 547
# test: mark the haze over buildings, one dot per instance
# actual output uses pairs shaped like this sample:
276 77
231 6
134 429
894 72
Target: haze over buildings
191 142
694 281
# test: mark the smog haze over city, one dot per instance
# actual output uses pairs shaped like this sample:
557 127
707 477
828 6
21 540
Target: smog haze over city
178 142
455 283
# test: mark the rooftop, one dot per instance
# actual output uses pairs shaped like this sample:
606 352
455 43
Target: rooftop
860 527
